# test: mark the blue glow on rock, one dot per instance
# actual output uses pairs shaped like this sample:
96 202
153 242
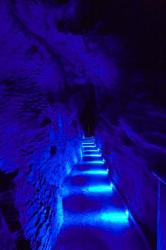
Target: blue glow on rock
100 188
68 168
60 211
75 159
127 212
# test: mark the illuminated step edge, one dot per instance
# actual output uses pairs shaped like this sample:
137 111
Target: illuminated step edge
89 140
91 150
112 217
91 172
88 143
96 162
99 188
92 155
88 190
89 146
119 217
88 137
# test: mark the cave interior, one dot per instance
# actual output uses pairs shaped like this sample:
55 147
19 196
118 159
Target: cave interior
82 125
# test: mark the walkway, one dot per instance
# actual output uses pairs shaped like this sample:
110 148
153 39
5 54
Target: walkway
95 217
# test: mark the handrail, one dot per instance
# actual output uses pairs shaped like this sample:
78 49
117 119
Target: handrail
159 178
161 243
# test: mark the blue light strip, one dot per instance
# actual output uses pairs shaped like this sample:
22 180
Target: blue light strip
89 146
92 172
109 217
92 155
92 150
97 162
99 189
113 218
88 143
92 141
118 217
88 190
88 139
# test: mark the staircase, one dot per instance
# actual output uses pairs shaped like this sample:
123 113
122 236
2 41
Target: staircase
95 217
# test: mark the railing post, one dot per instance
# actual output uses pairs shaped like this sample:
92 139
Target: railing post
158 215
161 221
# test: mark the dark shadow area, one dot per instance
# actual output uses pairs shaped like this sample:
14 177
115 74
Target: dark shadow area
9 211
88 113
82 239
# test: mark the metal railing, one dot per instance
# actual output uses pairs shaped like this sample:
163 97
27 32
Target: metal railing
161 213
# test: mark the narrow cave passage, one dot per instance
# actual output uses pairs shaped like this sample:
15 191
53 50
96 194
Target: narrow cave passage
95 216
70 68
88 112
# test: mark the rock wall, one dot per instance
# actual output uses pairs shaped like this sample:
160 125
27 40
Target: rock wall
132 131
50 52
40 138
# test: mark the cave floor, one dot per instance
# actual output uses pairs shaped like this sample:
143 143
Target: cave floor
95 217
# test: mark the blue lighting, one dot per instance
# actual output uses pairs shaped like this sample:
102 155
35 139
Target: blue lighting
92 155
92 150
89 146
88 143
89 139
121 217
97 162
60 210
94 172
99 188
68 168
111 218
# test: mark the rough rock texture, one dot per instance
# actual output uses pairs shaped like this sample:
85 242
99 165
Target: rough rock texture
50 52
39 137
133 136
